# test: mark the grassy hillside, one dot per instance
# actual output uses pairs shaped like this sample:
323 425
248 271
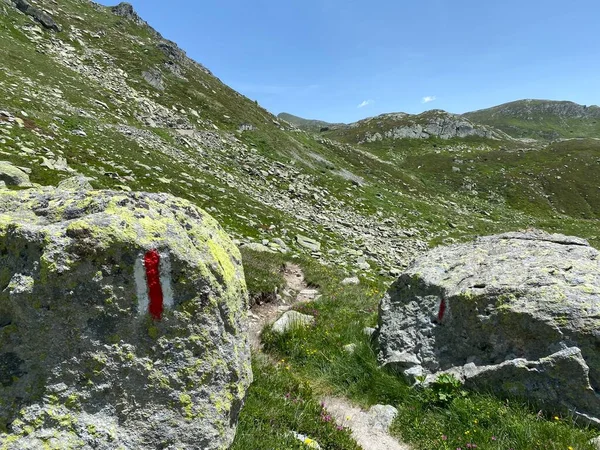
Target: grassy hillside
84 98
307 124
541 119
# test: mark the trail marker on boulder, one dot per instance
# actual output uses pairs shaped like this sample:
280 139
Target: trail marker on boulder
121 313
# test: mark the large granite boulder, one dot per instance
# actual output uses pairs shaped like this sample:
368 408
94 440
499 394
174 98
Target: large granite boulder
122 323
518 314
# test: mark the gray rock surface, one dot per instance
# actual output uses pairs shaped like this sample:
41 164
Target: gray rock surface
351 281
382 416
13 176
369 428
40 16
126 10
369 331
517 313
559 379
433 123
291 320
258 247
308 243
83 364
154 78
79 183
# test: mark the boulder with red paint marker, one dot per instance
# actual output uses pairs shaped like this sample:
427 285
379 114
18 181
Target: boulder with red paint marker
122 322
518 314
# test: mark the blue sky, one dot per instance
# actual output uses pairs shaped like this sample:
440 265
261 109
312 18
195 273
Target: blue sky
343 60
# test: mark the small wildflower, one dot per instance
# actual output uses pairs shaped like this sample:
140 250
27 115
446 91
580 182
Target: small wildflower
556 418
494 438
444 437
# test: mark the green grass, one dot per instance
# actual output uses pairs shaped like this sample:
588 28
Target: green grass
315 356
279 403
541 119
264 275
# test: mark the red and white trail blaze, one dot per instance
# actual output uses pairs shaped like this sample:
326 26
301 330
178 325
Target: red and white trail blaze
153 283
155 293
442 310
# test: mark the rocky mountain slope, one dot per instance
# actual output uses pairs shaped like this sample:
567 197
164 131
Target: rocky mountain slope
430 124
110 99
533 119
107 97
541 119
395 126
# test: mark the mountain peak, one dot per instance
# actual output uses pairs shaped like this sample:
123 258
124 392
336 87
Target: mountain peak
127 11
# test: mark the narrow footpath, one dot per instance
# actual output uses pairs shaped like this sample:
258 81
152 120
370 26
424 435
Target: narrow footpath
369 428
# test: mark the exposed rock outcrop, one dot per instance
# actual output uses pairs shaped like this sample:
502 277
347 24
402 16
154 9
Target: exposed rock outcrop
126 10
176 58
13 176
434 123
122 323
517 313
40 16
154 78
78 183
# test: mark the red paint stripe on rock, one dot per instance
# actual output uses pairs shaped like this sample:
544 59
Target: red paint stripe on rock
442 311
155 293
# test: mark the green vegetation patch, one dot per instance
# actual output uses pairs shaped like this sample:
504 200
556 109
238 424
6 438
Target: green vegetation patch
280 403
264 274
442 416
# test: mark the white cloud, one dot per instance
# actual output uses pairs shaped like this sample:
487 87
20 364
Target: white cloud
366 103
429 98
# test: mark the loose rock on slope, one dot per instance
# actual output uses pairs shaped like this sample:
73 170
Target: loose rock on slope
13 176
82 362
517 313
40 16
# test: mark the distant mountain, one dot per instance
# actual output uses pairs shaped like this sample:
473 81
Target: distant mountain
541 119
535 119
307 124
397 126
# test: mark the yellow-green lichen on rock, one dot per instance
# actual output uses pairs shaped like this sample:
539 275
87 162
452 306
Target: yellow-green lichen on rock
515 313
81 358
